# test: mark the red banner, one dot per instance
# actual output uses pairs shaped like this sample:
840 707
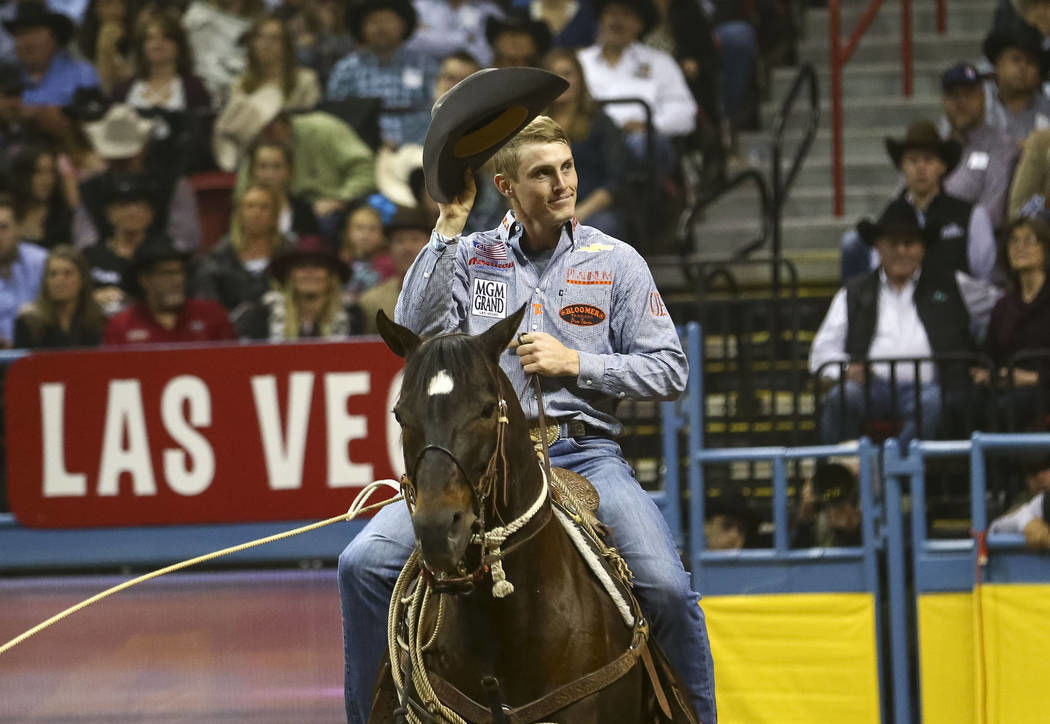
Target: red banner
222 434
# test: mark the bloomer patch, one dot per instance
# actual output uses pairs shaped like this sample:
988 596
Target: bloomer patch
489 298
583 315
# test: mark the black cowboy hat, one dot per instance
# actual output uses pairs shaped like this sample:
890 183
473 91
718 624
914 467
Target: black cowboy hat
477 117
153 250
1021 35
37 15
89 105
922 135
898 220
520 22
309 248
358 11
644 9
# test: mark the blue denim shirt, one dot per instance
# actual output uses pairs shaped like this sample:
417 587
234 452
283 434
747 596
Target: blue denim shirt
20 286
596 296
61 81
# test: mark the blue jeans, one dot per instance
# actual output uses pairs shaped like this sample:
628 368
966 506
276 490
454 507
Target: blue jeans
838 425
739 48
856 256
369 567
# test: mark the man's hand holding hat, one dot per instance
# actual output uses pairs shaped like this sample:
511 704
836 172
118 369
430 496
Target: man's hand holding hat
454 214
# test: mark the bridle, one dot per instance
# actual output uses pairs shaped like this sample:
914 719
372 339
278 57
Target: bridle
490 540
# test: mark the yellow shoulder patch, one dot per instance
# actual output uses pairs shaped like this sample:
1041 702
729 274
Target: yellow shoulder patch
595 247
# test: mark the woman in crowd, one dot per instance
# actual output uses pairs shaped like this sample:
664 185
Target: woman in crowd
321 37
105 39
234 273
598 148
272 61
364 249
272 164
307 301
214 29
43 212
164 75
65 313
1020 323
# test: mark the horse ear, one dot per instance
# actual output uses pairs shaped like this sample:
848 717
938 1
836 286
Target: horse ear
496 338
402 341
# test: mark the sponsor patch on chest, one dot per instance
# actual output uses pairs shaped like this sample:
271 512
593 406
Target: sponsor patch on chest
582 315
489 298
589 277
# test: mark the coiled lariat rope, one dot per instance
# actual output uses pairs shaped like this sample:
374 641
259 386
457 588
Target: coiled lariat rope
356 509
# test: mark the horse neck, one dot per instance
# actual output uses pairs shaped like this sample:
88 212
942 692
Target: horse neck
524 477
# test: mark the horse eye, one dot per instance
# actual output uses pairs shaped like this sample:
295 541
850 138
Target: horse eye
488 409
397 416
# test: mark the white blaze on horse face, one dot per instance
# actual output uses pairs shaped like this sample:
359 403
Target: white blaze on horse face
440 384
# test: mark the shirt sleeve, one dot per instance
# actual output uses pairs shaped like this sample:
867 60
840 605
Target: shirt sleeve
1015 522
830 343
997 183
981 244
353 158
434 295
979 297
675 112
651 364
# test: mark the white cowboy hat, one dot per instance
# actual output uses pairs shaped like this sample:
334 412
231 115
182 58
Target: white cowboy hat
121 133
241 121
393 171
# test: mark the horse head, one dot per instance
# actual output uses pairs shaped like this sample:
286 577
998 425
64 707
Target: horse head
454 401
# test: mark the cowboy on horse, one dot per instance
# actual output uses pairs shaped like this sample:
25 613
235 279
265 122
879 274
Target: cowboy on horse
595 331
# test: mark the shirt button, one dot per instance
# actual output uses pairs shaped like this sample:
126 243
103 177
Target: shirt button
426 275
534 326
622 395
587 382
538 290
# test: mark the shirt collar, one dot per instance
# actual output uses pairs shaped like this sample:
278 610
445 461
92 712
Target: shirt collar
510 230
884 281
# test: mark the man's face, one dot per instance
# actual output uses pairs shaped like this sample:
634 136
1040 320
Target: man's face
164 285
8 235
901 257
964 106
545 189
513 49
724 533
922 171
271 168
382 31
130 217
1017 72
405 245
619 25
34 47
453 70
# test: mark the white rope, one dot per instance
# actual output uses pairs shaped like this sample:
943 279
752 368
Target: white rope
501 587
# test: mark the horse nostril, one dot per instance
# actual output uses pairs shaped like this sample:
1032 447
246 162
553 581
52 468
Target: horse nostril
456 525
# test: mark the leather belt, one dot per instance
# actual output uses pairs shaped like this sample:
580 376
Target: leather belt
563 431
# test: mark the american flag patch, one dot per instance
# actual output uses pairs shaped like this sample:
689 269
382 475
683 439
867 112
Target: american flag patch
496 251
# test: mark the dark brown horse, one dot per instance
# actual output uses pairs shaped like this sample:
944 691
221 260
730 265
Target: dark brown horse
471 468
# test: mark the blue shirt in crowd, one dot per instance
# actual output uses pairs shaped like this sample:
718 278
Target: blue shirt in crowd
20 285
61 81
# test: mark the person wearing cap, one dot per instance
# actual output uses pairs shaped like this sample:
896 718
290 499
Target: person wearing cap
619 66
905 309
595 330
451 24
408 232
517 40
50 73
1031 517
828 513
1015 102
384 67
161 313
307 301
959 234
21 270
989 155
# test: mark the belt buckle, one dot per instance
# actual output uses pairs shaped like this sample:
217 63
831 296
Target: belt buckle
553 433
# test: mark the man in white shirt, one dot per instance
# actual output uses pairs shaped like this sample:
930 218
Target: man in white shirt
902 310
618 66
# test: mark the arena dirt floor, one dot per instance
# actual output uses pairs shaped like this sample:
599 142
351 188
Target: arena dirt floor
261 646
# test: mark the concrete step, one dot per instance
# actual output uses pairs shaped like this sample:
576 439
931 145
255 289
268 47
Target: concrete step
973 16
927 47
816 267
802 203
869 111
856 142
876 172
866 81
814 232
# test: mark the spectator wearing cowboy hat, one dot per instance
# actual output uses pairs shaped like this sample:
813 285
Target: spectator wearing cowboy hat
988 154
907 308
308 299
959 234
383 67
161 312
619 66
517 40
409 232
828 513
1015 101
454 68
333 166
445 24
49 72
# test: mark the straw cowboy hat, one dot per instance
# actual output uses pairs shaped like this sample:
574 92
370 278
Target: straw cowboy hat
394 173
477 117
241 122
922 136
121 133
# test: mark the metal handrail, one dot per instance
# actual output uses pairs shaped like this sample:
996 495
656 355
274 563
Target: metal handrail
687 221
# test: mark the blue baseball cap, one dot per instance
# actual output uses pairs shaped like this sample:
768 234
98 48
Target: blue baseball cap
961 74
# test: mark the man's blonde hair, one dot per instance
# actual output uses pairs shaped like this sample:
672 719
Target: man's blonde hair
542 129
